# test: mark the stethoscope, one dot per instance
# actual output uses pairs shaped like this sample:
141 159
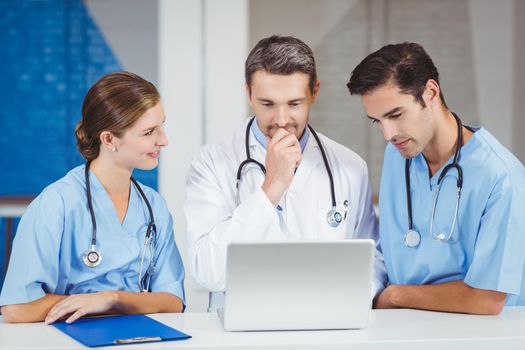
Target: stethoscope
93 257
333 217
412 238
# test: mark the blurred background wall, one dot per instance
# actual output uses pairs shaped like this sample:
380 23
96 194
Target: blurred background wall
194 50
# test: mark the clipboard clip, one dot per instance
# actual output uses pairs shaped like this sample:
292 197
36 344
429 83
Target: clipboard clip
136 340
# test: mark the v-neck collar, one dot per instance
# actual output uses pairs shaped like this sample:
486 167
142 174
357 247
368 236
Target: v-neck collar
422 166
105 202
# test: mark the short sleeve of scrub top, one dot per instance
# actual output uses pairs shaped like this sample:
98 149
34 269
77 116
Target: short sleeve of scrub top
499 253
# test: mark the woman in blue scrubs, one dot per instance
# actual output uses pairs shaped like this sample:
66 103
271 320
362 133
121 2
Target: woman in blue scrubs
119 257
452 198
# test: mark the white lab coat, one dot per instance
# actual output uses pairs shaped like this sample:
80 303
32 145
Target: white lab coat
214 219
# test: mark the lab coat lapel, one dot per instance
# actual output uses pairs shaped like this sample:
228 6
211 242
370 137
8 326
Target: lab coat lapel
251 177
257 151
311 159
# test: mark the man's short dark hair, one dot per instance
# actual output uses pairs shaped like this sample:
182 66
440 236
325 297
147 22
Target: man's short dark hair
283 55
407 65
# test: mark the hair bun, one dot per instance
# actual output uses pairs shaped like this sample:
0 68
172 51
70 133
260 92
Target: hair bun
88 147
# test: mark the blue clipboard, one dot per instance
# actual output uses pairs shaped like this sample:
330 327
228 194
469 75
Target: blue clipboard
118 330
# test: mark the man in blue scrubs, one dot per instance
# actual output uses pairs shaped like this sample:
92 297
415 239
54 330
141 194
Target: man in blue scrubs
452 198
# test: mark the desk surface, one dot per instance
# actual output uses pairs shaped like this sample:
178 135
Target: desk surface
392 329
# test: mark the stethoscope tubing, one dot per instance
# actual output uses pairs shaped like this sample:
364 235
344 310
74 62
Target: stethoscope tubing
249 159
459 184
151 226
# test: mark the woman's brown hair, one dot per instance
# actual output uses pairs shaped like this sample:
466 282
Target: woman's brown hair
114 103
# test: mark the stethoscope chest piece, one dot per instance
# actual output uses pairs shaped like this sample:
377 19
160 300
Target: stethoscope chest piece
92 257
333 217
412 239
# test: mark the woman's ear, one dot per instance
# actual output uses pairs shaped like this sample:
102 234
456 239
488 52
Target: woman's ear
107 140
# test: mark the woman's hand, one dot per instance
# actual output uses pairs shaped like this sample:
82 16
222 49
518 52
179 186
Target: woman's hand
78 305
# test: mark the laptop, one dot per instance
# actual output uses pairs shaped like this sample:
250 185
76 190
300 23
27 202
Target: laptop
298 285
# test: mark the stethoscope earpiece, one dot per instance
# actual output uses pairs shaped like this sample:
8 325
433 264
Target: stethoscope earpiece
441 237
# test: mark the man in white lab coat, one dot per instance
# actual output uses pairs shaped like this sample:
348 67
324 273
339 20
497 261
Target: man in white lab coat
284 191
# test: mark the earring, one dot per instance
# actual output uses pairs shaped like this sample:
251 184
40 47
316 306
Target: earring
114 149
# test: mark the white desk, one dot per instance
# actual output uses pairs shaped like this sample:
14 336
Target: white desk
387 329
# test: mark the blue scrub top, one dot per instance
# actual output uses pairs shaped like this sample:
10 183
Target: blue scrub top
487 248
56 229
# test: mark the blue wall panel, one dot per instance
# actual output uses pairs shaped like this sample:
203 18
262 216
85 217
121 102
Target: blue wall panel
51 52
